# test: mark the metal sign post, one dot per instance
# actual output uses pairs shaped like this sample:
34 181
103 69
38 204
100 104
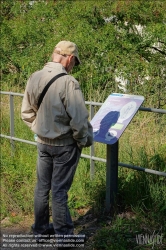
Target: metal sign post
111 175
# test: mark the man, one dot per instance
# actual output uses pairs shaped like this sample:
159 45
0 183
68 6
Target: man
62 128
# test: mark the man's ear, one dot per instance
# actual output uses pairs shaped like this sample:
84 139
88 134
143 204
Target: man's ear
70 58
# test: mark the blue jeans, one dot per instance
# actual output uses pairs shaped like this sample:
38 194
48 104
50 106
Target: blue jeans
56 167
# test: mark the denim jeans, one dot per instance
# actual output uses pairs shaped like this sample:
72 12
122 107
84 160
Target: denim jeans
56 167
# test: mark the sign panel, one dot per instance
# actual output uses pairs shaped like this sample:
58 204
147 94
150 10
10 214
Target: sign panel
114 116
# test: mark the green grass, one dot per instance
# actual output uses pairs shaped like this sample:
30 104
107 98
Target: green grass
140 206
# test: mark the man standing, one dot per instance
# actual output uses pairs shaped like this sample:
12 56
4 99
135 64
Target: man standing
62 128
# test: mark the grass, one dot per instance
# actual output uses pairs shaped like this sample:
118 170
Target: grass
140 207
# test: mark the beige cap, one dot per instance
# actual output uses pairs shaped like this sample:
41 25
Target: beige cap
67 48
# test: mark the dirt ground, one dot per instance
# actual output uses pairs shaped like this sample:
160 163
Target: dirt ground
85 224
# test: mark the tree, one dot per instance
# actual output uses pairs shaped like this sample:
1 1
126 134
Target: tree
116 39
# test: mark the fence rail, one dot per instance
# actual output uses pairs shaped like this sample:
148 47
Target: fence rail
91 156
112 151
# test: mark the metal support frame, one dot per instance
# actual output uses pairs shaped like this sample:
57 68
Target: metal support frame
12 121
111 175
92 149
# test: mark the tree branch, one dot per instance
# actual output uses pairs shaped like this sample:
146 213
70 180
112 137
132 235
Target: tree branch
162 52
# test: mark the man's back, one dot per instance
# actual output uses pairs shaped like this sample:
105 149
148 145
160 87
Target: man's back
62 110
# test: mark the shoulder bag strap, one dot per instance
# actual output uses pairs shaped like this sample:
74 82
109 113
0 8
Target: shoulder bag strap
47 86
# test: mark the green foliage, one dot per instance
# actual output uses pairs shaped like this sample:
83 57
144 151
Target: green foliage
107 34
123 232
93 189
18 177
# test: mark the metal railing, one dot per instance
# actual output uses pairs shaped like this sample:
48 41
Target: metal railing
91 156
112 150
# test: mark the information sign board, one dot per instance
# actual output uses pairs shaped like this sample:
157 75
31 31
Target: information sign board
114 116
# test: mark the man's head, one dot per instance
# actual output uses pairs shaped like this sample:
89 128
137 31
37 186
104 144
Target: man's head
68 54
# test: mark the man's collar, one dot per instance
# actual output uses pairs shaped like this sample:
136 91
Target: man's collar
55 65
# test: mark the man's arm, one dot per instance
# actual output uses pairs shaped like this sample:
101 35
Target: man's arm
28 110
76 109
